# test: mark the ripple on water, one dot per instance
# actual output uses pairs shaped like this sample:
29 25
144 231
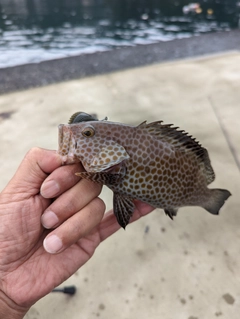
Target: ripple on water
21 46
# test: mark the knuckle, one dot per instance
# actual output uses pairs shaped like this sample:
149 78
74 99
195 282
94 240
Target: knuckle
33 152
99 205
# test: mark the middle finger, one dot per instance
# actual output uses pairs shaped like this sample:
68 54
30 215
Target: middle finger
70 202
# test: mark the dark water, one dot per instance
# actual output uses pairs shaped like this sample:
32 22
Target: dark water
36 30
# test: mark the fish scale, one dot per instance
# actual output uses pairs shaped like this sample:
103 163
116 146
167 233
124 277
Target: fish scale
155 163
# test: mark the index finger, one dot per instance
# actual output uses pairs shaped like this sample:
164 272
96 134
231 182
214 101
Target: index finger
32 171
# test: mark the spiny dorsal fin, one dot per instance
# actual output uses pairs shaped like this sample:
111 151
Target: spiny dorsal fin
181 140
82 117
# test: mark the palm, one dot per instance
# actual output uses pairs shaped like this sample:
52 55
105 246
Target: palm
27 271
28 262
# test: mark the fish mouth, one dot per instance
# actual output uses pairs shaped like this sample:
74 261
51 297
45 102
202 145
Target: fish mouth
66 145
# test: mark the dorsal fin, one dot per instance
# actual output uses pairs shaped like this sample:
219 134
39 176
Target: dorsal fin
82 117
181 140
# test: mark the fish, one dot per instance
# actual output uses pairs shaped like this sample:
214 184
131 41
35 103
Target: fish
156 163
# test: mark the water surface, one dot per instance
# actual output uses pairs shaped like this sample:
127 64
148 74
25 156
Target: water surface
35 30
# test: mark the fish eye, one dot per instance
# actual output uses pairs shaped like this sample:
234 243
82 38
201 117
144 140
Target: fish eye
88 132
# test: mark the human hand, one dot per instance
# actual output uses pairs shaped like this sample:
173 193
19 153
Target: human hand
33 259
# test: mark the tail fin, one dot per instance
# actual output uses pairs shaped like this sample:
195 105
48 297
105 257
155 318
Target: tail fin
216 200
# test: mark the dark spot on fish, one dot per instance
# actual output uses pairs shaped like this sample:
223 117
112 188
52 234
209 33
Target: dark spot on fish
164 177
163 230
6 115
116 134
191 297
229 299
147 169
153 171
151 296
147 229
192 317
86 279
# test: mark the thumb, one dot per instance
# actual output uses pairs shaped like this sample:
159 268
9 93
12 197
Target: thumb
33 170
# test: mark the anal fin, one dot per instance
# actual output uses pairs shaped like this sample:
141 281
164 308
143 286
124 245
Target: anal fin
171 212
123 209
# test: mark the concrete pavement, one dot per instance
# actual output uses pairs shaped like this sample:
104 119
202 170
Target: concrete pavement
188 268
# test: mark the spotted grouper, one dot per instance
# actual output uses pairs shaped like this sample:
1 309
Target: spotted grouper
155 163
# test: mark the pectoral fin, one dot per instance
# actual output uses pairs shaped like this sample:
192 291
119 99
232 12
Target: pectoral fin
123 209
101 178
113 175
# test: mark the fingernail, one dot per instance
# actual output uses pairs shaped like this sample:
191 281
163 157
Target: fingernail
52 244
50 189
49 219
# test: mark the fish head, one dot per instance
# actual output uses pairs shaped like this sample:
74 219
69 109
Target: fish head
91 143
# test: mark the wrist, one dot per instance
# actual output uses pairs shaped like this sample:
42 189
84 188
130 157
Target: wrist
9 309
